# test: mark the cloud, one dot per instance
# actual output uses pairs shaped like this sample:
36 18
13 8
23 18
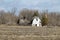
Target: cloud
3 9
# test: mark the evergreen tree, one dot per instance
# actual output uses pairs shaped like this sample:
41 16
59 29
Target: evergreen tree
36 14
44 20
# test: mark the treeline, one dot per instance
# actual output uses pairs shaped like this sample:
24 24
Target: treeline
25 17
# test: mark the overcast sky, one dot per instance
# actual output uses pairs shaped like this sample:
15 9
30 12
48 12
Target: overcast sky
51 5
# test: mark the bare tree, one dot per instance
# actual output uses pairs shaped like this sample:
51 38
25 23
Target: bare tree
2 19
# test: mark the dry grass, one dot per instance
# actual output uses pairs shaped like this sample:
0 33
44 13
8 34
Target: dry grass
29 33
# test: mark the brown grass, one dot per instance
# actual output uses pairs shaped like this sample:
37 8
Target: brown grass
29 33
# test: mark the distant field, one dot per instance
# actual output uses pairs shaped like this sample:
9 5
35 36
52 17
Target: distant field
29 33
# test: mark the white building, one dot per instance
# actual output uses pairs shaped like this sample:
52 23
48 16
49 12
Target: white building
36 22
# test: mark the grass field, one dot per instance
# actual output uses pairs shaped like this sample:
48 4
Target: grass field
29 33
